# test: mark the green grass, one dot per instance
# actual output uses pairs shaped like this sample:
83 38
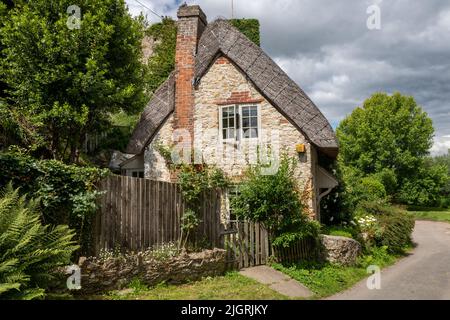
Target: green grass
441 215
327 279
339 231
231 286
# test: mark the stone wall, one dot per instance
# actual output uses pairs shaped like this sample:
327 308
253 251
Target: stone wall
225 84
116 273
155 166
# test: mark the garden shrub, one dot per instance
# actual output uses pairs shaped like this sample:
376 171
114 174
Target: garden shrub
385 225
29 250
274 201
67 193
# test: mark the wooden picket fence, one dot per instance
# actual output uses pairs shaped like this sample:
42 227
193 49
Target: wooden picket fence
304 249
249 245
136 214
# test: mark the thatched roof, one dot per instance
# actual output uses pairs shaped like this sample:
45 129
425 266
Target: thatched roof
158 109
221 38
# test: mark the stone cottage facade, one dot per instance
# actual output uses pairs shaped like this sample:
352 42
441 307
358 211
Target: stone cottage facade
228 104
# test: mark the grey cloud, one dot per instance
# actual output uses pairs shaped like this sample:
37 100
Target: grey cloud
326 47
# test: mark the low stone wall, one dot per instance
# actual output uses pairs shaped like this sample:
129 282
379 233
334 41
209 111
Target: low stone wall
340 250
117 272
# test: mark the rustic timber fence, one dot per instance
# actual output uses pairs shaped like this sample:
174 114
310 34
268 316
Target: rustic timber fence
136 214
249 245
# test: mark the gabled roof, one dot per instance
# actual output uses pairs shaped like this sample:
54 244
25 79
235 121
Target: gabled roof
221 38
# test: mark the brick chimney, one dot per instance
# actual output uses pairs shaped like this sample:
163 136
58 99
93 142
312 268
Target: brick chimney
190 25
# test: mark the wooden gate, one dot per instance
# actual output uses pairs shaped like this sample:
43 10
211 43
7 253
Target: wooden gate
248 245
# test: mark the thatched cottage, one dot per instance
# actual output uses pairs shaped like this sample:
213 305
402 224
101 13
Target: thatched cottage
231 104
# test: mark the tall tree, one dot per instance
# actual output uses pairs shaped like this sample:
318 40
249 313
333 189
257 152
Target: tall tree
67 67
390 137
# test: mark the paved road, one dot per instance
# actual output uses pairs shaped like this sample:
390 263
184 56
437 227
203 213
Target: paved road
425 274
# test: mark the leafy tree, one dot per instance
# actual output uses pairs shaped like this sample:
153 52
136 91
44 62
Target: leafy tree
389 138
444 160
249 27
29 250
162 61
65 81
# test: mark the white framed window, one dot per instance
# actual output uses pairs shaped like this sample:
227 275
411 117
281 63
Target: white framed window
239 122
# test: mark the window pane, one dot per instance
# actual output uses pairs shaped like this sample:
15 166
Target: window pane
245 122
231 122
226 112
245 111
254 122
254 111
254 133
224 133
231 133
224 123
246 133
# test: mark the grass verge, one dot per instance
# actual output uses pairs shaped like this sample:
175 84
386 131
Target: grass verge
327 279
432 215
231 286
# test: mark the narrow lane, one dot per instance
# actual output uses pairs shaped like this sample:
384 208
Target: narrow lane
425 274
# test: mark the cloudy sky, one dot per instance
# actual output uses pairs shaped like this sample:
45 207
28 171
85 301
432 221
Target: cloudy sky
327 48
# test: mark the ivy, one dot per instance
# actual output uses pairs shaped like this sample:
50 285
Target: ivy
249 27
162 62
67 193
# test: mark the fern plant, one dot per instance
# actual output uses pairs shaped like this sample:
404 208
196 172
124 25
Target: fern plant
29 251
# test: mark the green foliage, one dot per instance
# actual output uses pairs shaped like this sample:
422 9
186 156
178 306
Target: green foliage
370 188
274 201
389 138
249 27
189 223
67 193
29 250
426 188
385 225
63 81
299 230
194 180
325 279
162 62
